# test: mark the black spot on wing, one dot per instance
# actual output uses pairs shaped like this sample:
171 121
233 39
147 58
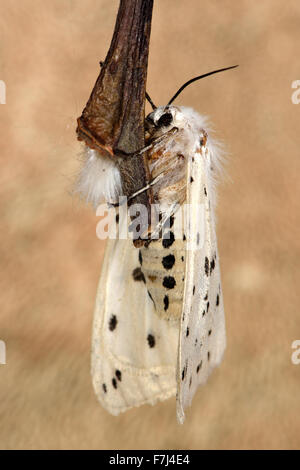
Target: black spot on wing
194 287
199 367
187 332
209 332
118 375
208 355
166 302
114 382
206 266
205 191
117 218
217 300
112 323
104 388
191 179
212 265
168 239
168 261
140 257
151 341
184 371
138 275
207 306
169 282
169 222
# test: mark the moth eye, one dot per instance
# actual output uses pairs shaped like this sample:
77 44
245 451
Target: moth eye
165 120
149 120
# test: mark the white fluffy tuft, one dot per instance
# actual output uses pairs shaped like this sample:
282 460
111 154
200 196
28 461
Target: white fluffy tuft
215 169
196 122
99 179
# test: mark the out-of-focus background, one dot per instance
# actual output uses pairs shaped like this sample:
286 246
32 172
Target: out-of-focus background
51 257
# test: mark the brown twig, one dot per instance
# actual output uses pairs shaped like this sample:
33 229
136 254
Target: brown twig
113 120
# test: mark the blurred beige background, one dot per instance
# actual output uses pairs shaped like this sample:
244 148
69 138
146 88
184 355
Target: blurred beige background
51 258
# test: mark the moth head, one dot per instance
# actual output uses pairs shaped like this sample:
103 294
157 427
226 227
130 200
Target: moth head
162 119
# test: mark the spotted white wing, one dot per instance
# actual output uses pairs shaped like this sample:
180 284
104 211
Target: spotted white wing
133 350
202 336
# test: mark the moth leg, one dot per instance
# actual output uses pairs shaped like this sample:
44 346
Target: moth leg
123 155
142 190
156 233
155 142
148 186
162 222
158 140
114 204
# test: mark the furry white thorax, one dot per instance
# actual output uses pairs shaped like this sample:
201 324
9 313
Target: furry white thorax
99 179
193 124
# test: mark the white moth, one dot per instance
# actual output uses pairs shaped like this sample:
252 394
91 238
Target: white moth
159 327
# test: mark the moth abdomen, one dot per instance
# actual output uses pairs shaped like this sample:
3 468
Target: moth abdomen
163 269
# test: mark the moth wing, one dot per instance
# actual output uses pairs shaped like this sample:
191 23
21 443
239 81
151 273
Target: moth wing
202 332
133 350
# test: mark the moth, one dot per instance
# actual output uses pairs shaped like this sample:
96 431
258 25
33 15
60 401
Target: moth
159 327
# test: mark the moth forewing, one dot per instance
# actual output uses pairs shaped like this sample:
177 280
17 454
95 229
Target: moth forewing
189 328
202 335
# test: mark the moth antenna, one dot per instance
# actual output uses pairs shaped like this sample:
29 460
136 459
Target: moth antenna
150 101
197 78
